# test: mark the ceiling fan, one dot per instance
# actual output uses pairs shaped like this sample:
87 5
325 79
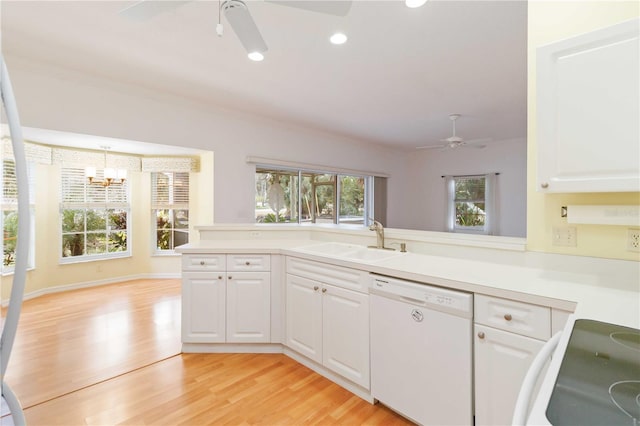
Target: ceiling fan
454 141
238 16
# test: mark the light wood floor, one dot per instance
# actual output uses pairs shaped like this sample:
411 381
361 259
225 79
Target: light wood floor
111 355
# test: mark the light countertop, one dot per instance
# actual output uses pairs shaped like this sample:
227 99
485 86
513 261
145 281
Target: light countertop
597 296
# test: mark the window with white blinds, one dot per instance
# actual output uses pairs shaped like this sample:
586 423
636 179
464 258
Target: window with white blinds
170 208
9 218
94 218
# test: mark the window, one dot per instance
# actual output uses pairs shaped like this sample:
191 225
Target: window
9 218
470 203
170 208
94 219
299 196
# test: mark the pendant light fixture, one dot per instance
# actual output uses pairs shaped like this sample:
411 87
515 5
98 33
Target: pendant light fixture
111 176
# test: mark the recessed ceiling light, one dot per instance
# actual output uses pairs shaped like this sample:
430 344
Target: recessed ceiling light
415 3
256 56
338 38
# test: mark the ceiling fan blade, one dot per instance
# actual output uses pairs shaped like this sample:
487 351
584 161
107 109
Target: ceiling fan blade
243 25
329 7
476 146
431 147
147 9
477 141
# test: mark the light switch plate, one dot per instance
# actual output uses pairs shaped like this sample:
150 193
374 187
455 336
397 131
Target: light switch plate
564 236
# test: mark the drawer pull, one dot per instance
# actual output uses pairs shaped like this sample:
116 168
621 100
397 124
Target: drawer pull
508 317
202 263
481 335
315 288
324 290
247 263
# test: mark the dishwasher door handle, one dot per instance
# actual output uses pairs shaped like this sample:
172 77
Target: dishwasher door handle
412 300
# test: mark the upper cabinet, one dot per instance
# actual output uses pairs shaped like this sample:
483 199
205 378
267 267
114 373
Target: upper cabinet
588 97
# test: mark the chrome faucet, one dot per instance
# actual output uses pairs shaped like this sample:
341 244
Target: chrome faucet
377 226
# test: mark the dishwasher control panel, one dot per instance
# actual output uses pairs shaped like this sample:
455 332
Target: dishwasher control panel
453 301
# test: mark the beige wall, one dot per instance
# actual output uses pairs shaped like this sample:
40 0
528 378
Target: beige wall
549 22
142 263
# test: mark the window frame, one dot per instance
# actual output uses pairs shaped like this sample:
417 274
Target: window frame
172 207
9 204
490 214
88 205
335 182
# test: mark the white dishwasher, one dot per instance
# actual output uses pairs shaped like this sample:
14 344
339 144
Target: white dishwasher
421 351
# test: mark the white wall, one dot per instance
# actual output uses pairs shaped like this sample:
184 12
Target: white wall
57 99
509 158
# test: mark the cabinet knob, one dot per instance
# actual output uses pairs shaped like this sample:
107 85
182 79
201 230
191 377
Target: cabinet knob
324 290
544 185
202 263
230 277
481 335
508 317
247 263
315 288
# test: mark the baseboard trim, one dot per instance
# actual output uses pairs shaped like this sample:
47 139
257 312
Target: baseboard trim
238 348
96 283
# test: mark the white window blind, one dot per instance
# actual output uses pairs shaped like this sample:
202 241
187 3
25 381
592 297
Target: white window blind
77 192
170 190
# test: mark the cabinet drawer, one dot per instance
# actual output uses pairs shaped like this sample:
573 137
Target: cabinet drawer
248 262
517 317
351 279
203 262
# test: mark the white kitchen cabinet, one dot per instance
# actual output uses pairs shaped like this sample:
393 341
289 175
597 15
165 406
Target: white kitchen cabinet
345 333
327 323
304 317
508 335
588 105
226 298
203 307
248 307
501 362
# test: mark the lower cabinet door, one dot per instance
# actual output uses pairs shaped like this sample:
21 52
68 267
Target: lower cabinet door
248 307
203 307
501 362
345 318
304 317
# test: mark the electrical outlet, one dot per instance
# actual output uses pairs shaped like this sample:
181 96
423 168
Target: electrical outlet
565 236
633 240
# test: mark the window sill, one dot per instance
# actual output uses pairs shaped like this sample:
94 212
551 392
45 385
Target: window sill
165 253
85 259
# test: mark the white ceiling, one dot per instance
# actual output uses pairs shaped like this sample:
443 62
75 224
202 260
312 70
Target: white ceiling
396 80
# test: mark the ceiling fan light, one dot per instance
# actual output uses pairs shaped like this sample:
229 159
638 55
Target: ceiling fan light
415 3
256 56
338 38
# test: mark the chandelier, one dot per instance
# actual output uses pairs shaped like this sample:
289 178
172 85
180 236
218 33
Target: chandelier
111 176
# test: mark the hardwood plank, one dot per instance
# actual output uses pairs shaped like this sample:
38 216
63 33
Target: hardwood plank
70 340
172 392
110 355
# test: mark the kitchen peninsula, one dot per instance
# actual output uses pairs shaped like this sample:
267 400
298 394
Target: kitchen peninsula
521 298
